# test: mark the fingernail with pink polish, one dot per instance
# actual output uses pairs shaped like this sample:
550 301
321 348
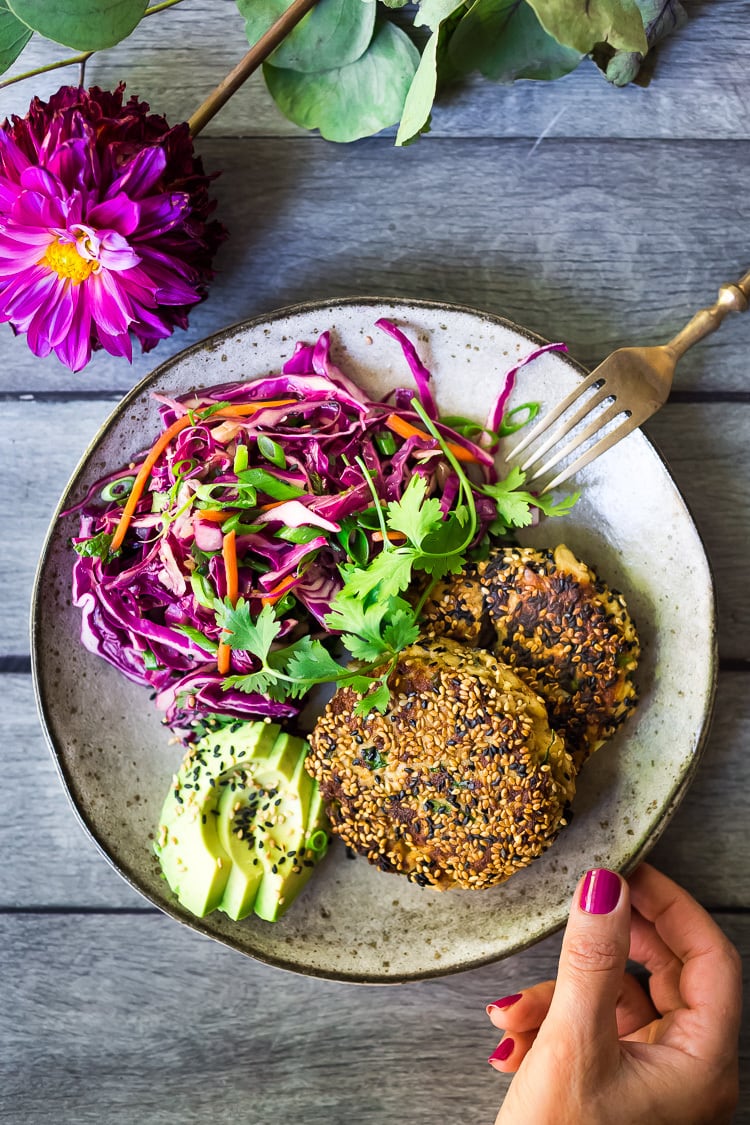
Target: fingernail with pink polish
600 892
503 1051
504 1002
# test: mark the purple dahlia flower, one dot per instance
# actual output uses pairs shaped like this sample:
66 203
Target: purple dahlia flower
104 228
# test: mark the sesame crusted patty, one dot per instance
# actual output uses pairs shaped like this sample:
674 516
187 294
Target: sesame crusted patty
460 782
563 631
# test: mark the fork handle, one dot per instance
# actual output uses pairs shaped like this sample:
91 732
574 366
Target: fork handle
732 298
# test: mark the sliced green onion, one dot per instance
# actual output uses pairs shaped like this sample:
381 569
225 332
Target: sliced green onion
272 451
234 523
386 443
150 662
203 591
177 469
198 638
118 489
240 459
298 534
283 605
318 842
266 482
506 427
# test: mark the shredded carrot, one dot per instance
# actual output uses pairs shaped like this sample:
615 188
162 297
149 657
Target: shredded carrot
393 536
276 592
214 515
161 444
229 554
405 429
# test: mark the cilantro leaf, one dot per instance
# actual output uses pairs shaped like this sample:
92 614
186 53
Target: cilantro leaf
389 572
250 684
401 630
513 507
251 636
514 504
414 515
552 507
96 547
309 659
374 700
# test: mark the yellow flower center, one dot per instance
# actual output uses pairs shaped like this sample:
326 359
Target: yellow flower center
64 259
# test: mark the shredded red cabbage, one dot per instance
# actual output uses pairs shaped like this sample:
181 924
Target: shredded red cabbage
289 480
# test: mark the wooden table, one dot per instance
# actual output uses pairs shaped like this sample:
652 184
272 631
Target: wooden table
597 216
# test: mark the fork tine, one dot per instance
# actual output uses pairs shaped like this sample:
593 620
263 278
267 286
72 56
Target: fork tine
552 415
576 442
626 427
567 425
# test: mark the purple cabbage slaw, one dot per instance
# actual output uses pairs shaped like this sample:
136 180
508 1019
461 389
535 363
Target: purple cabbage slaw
148 611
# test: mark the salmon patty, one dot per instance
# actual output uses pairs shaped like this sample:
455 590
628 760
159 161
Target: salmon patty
564 632
461 782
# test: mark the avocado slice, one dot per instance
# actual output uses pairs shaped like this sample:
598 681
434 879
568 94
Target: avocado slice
192 858
263 826
243 825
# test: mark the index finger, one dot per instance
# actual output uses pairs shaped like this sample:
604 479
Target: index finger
711 977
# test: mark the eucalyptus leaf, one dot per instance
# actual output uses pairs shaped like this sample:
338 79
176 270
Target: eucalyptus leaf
504 40
351 101
85 25
660 17
14 36
432 12
415 118
334 34
581 24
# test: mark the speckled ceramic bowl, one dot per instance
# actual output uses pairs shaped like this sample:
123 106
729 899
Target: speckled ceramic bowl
354 922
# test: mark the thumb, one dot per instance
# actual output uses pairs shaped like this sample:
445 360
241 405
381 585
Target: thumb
592 963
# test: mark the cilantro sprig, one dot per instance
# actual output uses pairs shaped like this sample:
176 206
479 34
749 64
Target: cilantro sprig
369 614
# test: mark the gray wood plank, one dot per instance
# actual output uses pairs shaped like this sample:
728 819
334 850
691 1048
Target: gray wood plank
696 92
50 861
705 444
134 1019
586 241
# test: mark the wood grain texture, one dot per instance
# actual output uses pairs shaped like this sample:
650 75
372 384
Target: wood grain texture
176 58
592 242
704 443
50 862
134 1019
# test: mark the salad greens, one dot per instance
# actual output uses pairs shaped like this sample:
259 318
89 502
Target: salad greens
285 532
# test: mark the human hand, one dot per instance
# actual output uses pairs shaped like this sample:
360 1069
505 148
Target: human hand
594 1048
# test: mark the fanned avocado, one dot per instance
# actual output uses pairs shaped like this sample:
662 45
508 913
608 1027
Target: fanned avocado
243 824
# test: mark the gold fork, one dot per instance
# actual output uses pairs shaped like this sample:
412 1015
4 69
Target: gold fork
634 381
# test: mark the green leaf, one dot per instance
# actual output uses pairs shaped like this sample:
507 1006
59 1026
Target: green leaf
198 638
85 25
351 101
309 659
660 18
14 36
389 572
552 507
581 24
504 40
401 631
414 515
334 34
96 547
251 636
433 12
375 700
262 683
417 111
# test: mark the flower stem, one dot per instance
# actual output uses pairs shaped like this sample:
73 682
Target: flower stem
43 69
252 60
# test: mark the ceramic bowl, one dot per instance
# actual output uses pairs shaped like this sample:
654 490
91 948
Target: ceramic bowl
354 922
